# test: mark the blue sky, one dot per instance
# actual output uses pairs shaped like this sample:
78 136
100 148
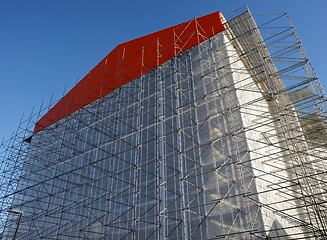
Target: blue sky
47 45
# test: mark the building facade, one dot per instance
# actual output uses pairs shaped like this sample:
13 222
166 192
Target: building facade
199 136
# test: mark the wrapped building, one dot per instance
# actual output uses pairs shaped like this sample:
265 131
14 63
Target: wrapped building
209 129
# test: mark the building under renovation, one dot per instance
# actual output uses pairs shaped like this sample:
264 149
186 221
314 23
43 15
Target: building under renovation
214 128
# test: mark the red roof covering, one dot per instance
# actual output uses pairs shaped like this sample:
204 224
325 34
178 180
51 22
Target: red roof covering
129 61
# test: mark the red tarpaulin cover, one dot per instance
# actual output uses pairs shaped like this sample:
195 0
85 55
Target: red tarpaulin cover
129 61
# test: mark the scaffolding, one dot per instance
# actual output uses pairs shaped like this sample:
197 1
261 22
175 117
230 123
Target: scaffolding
226 140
